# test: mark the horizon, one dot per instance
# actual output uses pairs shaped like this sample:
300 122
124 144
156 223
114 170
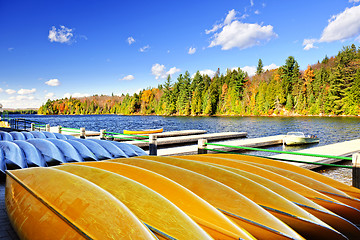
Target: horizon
83 48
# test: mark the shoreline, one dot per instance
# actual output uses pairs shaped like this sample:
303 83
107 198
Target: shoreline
215 115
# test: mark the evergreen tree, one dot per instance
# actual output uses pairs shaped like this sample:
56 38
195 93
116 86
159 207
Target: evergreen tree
259 69
289 74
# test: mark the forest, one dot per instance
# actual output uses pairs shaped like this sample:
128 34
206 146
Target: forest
329 87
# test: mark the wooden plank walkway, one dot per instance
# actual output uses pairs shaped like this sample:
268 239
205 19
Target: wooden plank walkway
249 142
344 149
191 138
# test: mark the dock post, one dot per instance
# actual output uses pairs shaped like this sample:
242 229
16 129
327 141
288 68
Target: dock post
82 133
201 146
152 145
102 134
32 128
356 170
59 129
47 127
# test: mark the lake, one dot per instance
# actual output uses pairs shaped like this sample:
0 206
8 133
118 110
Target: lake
328 129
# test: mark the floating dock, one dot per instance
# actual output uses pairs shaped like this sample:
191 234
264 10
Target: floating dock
192 138
249 142
343 149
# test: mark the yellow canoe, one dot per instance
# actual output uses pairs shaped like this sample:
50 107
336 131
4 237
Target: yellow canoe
340 224
244 212
298 219
343 210
40 206
143 132
209 218
352 191
314 184
165 219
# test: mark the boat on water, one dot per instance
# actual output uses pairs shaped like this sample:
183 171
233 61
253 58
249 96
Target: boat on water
298 138
144 131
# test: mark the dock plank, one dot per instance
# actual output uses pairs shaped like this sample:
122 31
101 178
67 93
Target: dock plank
344 149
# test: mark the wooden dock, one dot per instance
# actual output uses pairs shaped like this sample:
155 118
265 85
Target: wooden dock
344 149
73 133
168 134
192 138
249 142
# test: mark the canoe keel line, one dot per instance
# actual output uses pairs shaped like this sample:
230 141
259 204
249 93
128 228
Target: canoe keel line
212 196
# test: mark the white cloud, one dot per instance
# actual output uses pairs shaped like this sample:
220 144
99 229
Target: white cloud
208 72
26 91
231 16
49 95
1 90
159 71
10 91
354 1
238 34
24 97
270 67
343 26
252 2
192 50
130 40
53 82
309 43
251 70
76 95
228 19
172 71
21 102
257 12
128 78
144 49
61 35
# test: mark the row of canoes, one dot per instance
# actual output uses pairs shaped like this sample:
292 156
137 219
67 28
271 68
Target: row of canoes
212 196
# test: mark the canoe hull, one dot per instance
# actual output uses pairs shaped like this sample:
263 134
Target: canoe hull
144 132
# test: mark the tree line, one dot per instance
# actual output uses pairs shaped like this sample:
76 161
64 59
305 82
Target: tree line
329 87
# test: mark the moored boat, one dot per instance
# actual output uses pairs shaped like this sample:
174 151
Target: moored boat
299 138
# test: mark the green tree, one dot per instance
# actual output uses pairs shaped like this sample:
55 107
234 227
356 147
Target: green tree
260 66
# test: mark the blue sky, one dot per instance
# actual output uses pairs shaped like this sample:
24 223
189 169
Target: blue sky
53 49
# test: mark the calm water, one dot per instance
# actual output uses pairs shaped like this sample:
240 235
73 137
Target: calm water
328 129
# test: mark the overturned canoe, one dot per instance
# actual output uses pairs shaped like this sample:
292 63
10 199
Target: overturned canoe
208 217
350 213
298 219
352 191
39 198
143 132
241 210
159 214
